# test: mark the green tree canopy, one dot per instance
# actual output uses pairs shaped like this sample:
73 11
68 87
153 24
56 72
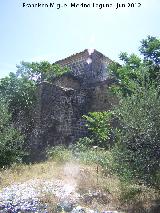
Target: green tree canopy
11 141
19 89
19 92
150 50
40 71
136 69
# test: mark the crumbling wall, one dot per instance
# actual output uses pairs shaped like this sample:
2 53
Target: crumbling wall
90 68
67 81
60 110
62 103
58 116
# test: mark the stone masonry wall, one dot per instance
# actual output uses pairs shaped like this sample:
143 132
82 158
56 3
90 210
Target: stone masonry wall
89 68
61 105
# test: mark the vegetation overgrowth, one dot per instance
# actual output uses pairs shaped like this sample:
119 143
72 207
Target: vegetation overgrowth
128 151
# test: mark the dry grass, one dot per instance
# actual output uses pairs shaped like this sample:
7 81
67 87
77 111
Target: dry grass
102 193
22 173
51 200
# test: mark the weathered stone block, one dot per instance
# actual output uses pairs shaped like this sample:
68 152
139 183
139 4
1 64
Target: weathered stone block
62 104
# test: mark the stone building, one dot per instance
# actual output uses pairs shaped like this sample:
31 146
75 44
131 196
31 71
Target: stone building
61 104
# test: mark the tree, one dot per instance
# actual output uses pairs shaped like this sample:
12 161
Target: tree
150 49
136 149
38 72
128 73
11 141
19 93
137 144
99 124
138 137
132 70
20 89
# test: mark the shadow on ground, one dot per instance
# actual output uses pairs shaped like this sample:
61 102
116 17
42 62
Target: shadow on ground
139 208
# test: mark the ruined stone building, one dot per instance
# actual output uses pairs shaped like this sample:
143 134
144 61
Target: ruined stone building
62 104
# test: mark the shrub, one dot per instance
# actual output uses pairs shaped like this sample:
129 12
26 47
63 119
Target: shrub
11 141
138 146
83 144
99 123
59 154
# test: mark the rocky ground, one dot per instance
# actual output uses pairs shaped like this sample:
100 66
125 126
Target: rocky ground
31 197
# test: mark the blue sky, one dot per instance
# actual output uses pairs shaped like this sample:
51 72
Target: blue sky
36 34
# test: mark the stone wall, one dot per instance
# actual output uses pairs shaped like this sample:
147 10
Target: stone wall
67 81
89 68
61 104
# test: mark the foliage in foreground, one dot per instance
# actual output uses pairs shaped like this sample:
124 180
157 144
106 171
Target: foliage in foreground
138 70
19 91
138 139
11 141
99 123
81 152
39 72
136 149
110 190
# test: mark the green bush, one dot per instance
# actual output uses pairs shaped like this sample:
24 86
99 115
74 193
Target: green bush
83 144
137 150
59 154
138 147
83 154
99 124
11 141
